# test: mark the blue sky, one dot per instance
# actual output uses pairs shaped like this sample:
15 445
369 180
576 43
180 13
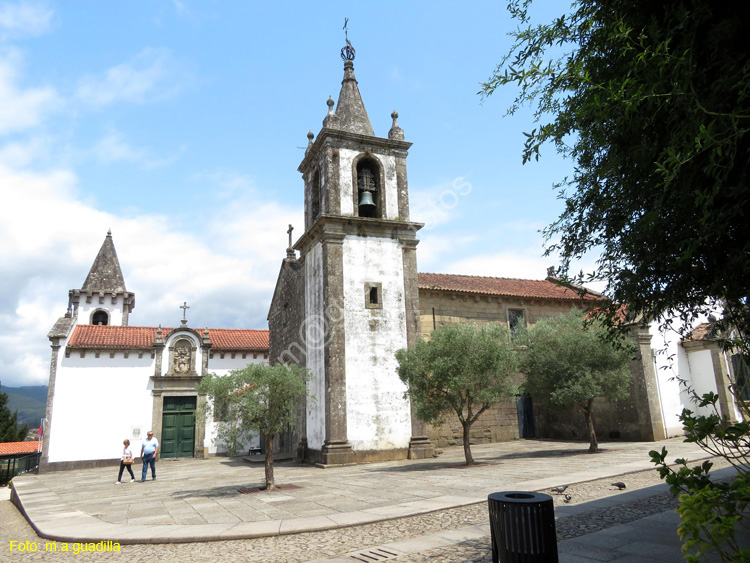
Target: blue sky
180 126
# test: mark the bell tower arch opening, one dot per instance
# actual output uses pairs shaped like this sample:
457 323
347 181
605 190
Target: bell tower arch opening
100 317
369 191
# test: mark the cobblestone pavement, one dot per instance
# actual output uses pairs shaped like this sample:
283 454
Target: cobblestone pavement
332 543
335 544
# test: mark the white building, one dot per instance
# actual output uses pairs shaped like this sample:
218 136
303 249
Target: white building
110 381
697 363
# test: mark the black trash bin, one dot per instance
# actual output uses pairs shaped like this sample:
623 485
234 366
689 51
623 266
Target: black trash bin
522 525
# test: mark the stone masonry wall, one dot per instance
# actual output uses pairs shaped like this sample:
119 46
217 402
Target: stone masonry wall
500 423
286 316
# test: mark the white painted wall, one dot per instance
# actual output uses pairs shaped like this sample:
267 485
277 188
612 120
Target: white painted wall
315 332
674 365
671 365
222 367
346 157
85 310
97 403
378 415
702 373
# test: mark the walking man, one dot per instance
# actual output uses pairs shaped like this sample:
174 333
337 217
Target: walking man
149 447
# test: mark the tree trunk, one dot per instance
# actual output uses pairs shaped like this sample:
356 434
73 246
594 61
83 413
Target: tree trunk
467 445
268 441
593 444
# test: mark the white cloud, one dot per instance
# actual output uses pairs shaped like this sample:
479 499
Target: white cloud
507 264
145 77
440 204
20 109
25 17
114 147
225 183
20 154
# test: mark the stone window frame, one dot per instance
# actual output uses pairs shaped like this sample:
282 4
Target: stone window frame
100 310
380 201
378 288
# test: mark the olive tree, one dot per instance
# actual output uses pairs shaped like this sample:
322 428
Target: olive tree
259 399
568 363
461 370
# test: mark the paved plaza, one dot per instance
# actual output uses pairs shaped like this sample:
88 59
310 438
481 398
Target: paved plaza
407 508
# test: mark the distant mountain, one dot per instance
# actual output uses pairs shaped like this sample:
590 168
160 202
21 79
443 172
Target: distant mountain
30 401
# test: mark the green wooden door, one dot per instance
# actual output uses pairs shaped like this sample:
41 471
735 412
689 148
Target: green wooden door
178 427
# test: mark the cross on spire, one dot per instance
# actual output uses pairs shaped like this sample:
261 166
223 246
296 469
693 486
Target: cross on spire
289 250
347 53
184 308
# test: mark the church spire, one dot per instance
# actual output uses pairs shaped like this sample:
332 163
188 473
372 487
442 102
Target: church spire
105 274
351 114
350 110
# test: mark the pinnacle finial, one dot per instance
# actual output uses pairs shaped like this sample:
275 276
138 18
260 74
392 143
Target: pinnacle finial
109 232
396 132
310 136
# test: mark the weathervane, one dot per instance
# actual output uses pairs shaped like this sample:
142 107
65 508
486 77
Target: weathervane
347 53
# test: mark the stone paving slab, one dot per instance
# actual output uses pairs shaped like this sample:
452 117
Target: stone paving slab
68 506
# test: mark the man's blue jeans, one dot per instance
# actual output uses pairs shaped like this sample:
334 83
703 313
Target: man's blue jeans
148 459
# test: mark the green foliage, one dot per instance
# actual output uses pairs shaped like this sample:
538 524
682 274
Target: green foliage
712 511
462 370
9 431
258 398
568 363
651 100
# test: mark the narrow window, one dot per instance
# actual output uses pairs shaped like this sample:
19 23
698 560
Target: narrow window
315 196
373 295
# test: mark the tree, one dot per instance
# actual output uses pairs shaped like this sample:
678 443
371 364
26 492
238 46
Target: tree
568 363
9 431
258 398
463 370
651 102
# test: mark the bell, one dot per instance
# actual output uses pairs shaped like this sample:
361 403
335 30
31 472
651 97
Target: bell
366 203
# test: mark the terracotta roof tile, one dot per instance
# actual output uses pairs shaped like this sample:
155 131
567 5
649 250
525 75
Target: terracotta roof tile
10 448
498 286
704 331
143 337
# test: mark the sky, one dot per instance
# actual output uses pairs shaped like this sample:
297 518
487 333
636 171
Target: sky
180 125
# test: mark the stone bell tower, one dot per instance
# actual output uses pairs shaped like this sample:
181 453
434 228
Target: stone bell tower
358 267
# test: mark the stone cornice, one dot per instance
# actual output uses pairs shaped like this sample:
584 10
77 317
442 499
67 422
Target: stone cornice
330 228
388 145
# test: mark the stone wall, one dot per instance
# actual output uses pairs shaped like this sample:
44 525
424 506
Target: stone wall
439 308
617 421
286 316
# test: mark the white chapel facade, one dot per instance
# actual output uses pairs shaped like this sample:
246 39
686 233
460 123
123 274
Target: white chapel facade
114 381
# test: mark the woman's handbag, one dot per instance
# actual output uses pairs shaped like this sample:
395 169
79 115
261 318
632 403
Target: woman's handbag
127 461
